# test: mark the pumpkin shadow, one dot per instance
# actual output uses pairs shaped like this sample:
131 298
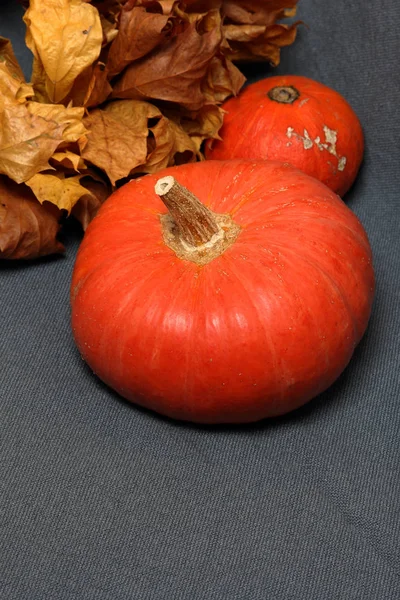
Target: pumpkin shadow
318 408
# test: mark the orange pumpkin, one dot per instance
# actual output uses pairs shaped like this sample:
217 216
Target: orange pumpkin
239 293
296 120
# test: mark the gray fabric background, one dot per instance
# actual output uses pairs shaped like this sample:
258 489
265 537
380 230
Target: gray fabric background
103 501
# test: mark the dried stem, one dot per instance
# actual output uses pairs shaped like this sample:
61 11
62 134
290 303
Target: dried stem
197 224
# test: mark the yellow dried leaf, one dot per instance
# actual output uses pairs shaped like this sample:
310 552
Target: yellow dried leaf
27 141
8 57
63 192
68 160
70 119
11 88
65 37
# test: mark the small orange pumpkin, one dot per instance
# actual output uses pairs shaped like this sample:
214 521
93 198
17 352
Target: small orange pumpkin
296 120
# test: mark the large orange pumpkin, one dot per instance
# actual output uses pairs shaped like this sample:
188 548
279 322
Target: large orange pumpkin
297 120
243 300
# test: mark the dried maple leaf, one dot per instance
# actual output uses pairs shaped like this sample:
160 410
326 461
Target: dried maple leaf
27 229
139 33
251 29
262 46
65 37
27 141
175 71
118 140
63 192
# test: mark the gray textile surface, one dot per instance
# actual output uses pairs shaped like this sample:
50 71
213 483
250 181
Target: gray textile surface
102 501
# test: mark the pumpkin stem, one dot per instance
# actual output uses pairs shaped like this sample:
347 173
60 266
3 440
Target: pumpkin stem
190 229
284 94
197 224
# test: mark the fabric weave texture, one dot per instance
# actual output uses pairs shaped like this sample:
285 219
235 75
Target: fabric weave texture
100 500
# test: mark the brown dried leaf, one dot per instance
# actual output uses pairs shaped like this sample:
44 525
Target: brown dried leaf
63 192
91 87
27 229
175 71
223 80
171 146
201 125
118 140
65 37
139 33
257 12
86 208
265 46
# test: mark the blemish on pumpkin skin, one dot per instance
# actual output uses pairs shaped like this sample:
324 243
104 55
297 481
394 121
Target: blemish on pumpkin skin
329 144
303 102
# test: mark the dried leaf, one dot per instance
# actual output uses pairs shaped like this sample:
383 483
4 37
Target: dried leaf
27 229
63 192
8 57
256 12
86 208
65 37
265 46
13 89
70 119
223 80
69 160
110 31
201 125
27 141
171 146
118 140
139 33
174 72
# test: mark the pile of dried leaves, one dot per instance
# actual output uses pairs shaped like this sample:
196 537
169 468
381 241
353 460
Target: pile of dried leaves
119 87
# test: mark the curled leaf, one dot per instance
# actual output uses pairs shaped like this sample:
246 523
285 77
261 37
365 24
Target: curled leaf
27 229
260 45
139 33
173 72
65 37
201 125
63 192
